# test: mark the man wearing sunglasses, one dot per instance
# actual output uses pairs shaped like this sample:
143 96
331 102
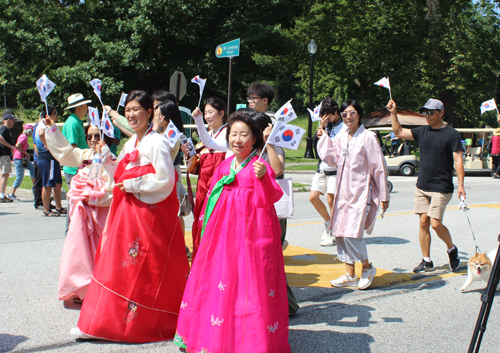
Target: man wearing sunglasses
440 148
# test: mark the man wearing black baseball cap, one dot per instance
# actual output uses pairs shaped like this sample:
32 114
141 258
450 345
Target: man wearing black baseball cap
6 148
440 151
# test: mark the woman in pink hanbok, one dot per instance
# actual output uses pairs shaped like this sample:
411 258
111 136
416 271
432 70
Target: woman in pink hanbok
361 187
235 298
89 204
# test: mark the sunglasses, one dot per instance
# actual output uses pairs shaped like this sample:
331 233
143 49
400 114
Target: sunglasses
429 112
352 113
96 137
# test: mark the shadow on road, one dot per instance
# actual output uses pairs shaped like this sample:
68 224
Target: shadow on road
9 342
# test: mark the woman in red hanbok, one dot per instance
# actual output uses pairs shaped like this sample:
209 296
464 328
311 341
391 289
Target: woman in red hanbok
141 264
235 298
210 157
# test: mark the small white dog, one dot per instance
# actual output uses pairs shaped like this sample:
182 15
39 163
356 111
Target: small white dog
479 268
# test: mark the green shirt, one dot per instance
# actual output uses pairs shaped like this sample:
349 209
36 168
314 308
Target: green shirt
114 148
124 123
74 133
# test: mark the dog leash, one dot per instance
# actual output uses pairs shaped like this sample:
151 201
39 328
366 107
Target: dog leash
463 206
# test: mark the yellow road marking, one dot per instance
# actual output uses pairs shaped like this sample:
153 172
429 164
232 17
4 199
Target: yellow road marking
309 268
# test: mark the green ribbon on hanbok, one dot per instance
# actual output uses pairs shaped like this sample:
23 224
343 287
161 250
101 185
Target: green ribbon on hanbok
219 186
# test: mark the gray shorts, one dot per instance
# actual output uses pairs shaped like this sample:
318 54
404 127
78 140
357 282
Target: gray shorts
5 165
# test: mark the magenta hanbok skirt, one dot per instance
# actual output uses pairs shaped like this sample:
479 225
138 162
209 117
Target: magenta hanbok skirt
236 296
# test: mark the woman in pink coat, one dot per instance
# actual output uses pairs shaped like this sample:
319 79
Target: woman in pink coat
361 187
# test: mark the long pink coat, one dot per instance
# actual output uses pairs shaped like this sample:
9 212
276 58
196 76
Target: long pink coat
363 166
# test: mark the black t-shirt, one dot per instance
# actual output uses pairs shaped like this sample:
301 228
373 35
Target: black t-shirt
436 157
4 150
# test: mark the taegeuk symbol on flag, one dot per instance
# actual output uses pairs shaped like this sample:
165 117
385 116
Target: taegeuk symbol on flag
44 86
96 84
106 125
285 113
488 105
315 114
172 134
94 116
285 135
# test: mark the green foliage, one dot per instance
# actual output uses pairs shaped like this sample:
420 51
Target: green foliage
450 53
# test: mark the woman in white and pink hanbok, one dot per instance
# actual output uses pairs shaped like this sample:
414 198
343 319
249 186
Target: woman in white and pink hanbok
361 187
89 201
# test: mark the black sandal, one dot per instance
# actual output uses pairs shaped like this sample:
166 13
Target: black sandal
50 214
61 210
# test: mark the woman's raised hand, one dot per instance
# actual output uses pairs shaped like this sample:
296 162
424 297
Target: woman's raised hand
260 169
267 131
196 112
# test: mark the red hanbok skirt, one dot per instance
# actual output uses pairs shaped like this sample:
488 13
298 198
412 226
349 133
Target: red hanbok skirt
209 162
141 269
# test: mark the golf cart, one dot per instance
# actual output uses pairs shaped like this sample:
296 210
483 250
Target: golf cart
403 162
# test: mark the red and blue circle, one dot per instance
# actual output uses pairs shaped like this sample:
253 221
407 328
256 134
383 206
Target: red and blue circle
287 135
171 134
107 125
99 88
284 111
486 105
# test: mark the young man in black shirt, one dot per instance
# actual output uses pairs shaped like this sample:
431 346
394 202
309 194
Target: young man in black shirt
6 148
440 147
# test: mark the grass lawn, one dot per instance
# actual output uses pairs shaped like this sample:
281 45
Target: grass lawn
302 167
297 156
26 184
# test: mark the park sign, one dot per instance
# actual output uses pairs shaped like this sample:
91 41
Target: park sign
229 49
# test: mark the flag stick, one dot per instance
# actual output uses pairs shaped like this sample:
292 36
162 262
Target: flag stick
265 145
118 107
390 93
46 109
199 102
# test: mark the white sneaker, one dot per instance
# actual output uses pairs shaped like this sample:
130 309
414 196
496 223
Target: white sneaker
330 240
325 233
367 275
345 281
285 245
75 331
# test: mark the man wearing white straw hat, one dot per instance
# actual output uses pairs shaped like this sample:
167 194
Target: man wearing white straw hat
74 133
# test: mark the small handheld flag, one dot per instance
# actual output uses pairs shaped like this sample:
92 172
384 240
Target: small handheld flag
285 135
172 134
96 84
315 114
44 86
489 105
200 82
106 125
384 82
285 113
94 116
123 98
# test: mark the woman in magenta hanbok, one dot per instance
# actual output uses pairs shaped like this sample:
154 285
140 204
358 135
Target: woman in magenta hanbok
89 201
361 187
235 298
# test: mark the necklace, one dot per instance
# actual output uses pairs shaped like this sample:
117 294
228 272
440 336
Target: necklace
345 151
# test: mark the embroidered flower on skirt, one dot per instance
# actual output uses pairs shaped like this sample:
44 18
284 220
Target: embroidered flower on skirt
271 293
273 327
216 321
183 305
131 313
222 286
133 253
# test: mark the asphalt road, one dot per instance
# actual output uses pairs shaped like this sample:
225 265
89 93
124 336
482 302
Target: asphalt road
402 312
